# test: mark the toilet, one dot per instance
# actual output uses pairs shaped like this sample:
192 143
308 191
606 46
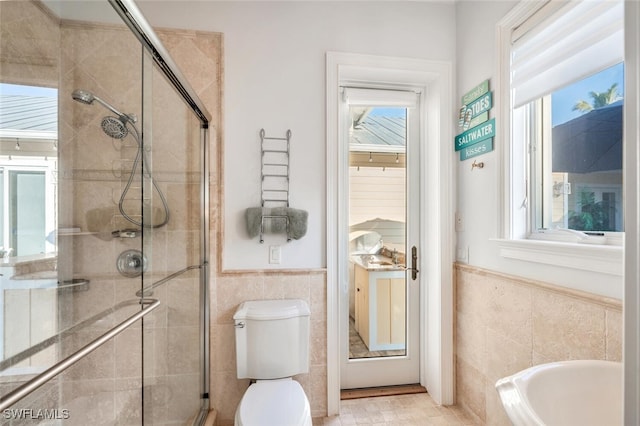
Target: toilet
272 345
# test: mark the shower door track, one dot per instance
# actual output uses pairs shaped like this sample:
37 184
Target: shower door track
22 391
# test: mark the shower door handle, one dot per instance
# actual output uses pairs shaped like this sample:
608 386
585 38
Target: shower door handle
414 263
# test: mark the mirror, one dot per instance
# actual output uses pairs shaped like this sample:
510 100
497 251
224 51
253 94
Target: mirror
29 81
29 78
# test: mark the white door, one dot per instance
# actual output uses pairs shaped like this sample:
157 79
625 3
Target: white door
379 208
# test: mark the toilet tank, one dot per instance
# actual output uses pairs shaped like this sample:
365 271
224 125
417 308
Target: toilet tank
272 338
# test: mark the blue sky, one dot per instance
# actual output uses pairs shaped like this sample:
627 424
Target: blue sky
15 89
388 112
563 100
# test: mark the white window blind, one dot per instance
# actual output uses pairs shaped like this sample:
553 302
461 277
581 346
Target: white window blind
378 97
566 44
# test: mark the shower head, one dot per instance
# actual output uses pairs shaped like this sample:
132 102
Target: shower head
87 98
114 127
82 96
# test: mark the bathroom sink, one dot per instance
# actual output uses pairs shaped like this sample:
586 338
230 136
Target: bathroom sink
378 259
376 262
383 262
582 392
380 262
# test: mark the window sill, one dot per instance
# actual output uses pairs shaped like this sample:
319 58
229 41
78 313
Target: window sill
594 258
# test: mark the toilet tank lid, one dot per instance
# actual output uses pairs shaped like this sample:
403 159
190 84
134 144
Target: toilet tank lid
262 310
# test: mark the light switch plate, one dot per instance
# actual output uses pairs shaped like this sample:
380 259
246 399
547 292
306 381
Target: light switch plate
275 254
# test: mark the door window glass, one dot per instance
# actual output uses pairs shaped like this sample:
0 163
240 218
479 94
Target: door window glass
377 231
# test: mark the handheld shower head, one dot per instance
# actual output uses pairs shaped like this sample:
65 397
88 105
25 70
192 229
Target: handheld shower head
114 127
117 128
82 96
87 98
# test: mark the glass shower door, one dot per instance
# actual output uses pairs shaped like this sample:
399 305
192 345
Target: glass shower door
172 188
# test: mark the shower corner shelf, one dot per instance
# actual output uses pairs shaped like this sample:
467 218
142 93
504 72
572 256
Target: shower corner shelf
72 234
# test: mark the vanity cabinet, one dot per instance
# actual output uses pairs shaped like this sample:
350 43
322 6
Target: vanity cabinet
380 308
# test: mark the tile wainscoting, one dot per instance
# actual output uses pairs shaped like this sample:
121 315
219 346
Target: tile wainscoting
505 324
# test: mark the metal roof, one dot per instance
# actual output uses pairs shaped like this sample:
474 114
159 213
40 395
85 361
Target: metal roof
378 133
28 117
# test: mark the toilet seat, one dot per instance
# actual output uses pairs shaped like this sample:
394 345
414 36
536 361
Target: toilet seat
280 402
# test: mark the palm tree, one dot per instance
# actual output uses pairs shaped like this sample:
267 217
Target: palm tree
599 99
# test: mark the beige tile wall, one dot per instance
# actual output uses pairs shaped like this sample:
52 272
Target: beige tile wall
505 324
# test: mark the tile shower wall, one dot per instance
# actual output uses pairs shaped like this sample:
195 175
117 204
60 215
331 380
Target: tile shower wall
505 324
29 46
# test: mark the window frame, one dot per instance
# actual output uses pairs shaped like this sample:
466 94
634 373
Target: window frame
517 240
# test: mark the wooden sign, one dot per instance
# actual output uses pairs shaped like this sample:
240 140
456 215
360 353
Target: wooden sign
478 120
478 130
480 148
476 92
479 133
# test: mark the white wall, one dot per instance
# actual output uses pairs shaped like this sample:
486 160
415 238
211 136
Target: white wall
375 193
478 191
274 55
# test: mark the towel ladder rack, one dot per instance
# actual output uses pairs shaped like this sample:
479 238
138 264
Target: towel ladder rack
274 190
275 169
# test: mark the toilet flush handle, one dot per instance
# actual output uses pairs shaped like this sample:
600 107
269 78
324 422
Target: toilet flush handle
240 324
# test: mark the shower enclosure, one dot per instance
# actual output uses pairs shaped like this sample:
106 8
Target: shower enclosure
103 221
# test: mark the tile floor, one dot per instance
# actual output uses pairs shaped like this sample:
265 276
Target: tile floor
401 410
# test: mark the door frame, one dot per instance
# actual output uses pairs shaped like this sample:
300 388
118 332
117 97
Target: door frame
435 78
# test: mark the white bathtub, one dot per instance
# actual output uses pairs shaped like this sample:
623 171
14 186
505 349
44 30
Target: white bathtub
566 393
